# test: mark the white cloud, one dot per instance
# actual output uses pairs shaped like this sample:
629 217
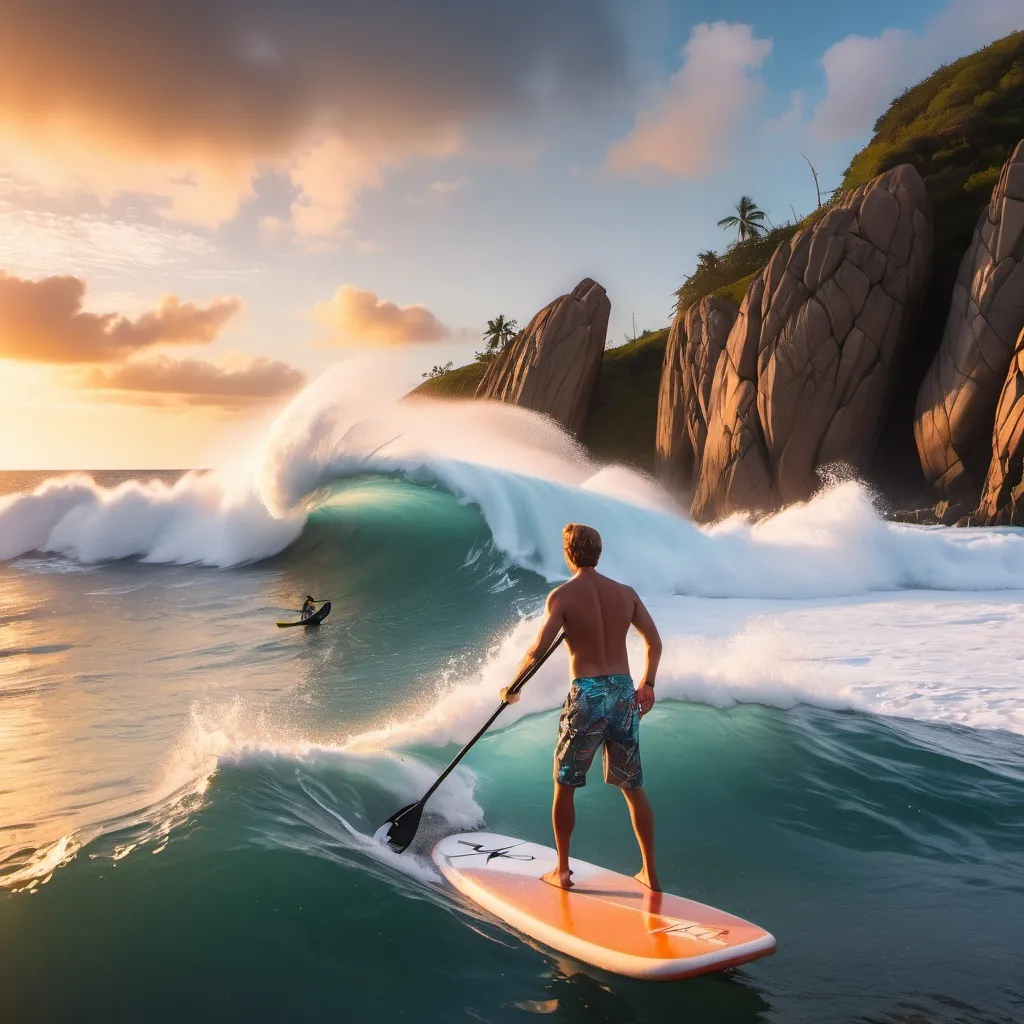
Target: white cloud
356 317
791 117
33 242
864 73
689 126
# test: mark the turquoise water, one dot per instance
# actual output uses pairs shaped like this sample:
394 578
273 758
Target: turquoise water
184 819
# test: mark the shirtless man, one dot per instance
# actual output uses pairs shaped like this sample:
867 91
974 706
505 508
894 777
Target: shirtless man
602 706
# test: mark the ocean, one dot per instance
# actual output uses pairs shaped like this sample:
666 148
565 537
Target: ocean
188 793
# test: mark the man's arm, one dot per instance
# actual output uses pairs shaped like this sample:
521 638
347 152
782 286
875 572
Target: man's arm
553 621
652 654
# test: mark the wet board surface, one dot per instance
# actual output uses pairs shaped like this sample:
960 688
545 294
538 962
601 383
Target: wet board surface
608 920
313 620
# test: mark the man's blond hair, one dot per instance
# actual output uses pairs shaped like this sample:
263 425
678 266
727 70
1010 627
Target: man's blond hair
582 545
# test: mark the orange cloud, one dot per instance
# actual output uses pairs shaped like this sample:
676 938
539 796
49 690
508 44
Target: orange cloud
355 317
190 102
42 321
199 381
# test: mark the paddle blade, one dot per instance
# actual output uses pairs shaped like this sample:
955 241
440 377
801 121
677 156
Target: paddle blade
399 830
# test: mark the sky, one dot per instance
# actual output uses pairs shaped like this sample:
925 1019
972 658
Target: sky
206 204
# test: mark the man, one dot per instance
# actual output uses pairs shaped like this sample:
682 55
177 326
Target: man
602 707
308 608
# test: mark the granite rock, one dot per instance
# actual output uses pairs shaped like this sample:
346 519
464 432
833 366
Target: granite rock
695 343
956 404
1002 500
808 369
552 365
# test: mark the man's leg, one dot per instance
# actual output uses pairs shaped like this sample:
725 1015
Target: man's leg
563 819
642 816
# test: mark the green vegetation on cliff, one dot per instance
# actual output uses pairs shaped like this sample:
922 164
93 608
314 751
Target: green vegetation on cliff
957 127
461 382
730 274
623 416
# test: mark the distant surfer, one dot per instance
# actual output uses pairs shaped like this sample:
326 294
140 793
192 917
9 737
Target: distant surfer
603 708
308 608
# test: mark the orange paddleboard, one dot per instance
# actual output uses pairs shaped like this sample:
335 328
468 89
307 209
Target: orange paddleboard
608 920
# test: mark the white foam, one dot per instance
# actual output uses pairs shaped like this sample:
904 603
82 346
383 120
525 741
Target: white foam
39 868
951 659
230 733
201 518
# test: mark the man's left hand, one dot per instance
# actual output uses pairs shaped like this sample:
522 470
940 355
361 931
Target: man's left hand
644 698
508 698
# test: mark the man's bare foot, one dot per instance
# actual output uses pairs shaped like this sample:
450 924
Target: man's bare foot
559 879
650 880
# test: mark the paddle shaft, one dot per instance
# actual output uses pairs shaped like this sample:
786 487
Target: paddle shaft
520 682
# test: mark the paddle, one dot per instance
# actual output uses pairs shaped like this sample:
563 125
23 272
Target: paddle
399 830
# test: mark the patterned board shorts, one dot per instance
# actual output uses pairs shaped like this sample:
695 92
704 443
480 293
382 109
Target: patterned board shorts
599 710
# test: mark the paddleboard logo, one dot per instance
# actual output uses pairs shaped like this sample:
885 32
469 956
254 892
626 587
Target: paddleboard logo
693 930
477 850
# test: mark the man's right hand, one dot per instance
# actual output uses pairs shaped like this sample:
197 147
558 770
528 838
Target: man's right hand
508 698
644 698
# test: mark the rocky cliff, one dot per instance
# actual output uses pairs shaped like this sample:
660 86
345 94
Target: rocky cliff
956 405
807 371
552 365
695 343
1002 501
829 333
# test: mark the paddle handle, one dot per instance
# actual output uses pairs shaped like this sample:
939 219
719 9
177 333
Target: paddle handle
521 680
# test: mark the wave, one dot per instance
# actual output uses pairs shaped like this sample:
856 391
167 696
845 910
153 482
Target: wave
525 478
199 519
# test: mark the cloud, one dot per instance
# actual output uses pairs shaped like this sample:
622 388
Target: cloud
687 129
33 242
43 321
199 381
329 178
192 102
791 117
355 317
864 73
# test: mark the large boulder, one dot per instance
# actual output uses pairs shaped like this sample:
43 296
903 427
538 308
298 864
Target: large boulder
808 370
695 342
552 365
734 471
1002 501
957 401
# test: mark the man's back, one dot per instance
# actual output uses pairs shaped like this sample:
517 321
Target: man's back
597 613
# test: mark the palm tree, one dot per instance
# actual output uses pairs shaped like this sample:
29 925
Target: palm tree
497 336
746 221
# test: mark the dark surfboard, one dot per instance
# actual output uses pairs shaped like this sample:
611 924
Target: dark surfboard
313 620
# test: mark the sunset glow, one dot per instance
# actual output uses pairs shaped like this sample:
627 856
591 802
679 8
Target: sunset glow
199 212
